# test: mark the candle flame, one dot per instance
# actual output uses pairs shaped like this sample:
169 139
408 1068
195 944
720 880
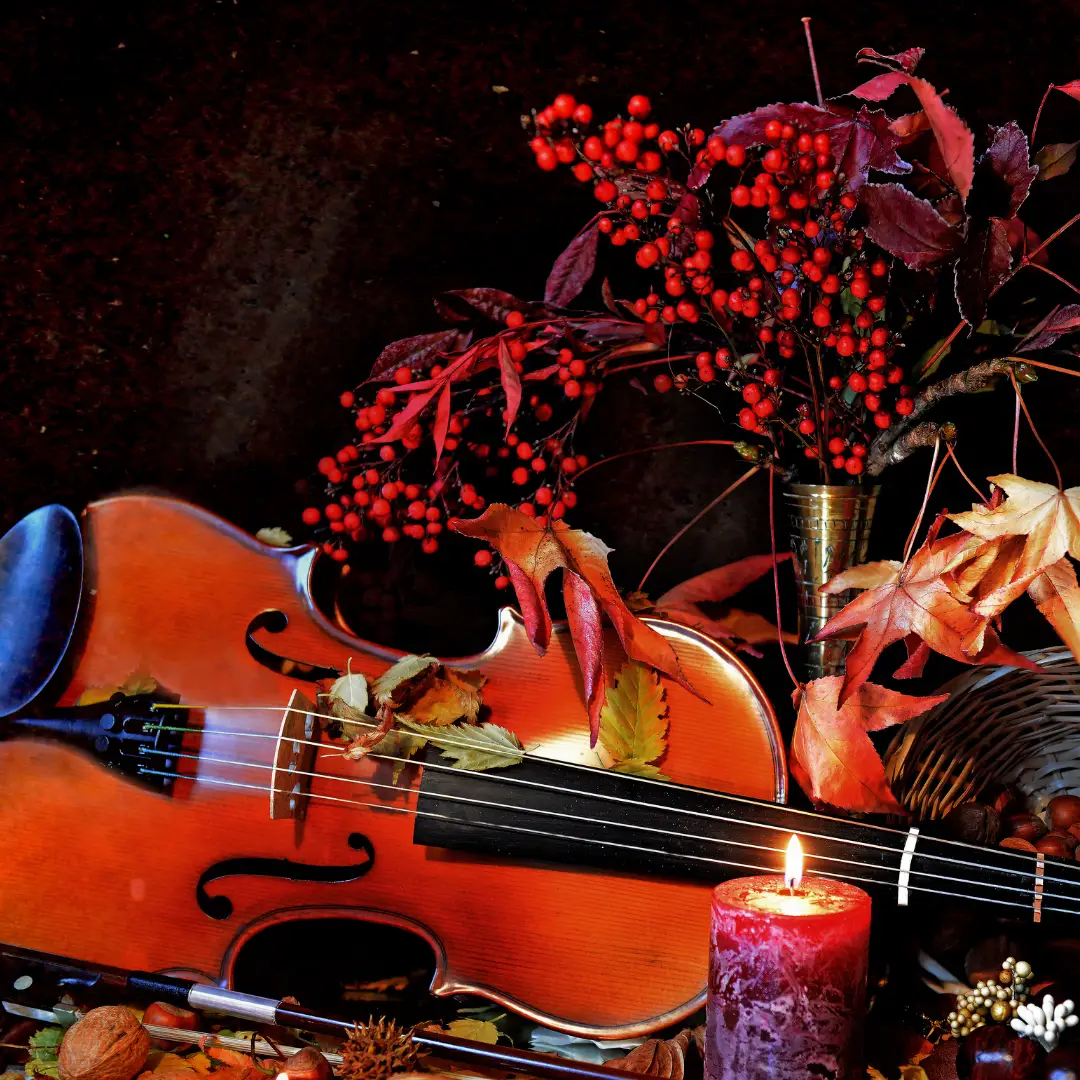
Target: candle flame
793 864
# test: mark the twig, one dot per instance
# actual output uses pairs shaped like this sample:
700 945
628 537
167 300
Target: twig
1035 126
776 584
1048 367
693 521
971 483
1049 240
931 480
895 443
1034 431
650 449
813 61
1055 276
1016 435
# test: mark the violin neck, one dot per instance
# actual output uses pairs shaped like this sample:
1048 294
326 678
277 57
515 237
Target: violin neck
568 814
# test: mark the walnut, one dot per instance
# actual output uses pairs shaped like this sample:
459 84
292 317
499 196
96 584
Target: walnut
106 1044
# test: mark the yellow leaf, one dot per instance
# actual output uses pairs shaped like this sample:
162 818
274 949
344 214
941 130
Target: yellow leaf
478 1030
912 1072
274 537
633 767
170 1062
874 1074
633 721
444 701
138 682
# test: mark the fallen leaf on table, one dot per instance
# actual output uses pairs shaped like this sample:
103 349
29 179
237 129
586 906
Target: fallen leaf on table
657 1057
1046 515
450 695
532 552
475 747
169 1062
832 756
478 1030
1057 595
44 1046
633 722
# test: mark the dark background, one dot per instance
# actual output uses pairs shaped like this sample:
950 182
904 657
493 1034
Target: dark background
215 214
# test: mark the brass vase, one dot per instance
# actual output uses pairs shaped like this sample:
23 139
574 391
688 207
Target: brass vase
829 527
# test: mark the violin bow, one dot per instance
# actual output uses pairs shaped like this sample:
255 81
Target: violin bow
262 1010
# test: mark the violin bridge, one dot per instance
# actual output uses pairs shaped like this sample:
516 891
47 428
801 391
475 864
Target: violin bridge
290 780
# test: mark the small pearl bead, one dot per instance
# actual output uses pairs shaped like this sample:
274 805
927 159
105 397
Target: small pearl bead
1023 969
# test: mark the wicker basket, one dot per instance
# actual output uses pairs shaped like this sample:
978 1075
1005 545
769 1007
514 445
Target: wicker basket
1001 725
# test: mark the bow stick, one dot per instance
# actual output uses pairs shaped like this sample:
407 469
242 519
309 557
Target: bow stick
261 1010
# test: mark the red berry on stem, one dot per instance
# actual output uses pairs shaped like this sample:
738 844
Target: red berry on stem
311 516
662 383
639 106
563 106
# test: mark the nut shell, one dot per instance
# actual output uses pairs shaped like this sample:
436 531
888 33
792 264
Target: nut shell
1025 826
1053 845
1064 810
1017 844
106 1044
973 823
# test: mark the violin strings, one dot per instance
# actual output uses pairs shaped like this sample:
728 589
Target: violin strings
436 740
560 814
525 755
504 826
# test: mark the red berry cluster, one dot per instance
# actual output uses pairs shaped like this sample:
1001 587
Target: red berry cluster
382 486
758 279
795 320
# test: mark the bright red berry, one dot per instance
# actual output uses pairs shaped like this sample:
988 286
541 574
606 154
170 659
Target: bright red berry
639 106
311 516
853 465
563 106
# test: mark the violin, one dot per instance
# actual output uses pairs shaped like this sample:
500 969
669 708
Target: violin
218 805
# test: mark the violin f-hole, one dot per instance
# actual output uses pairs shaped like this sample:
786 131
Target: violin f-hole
274 622
221 907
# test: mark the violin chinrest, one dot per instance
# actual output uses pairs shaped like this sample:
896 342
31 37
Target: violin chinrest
41 580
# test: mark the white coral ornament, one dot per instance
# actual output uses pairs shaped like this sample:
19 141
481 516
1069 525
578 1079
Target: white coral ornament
1046 1023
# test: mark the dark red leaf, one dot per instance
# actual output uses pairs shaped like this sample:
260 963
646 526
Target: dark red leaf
511 383
1070 88
918 652
954 139
1061 320
983 265
907 60
699 175
908 227
405 419
863 144
1003 175
533 606
609 298
418 351
880 87
442 421
573 268
748 129
655 333
492 303
689 210
860 141
586 631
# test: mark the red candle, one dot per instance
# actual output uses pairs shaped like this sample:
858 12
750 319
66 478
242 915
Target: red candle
787 978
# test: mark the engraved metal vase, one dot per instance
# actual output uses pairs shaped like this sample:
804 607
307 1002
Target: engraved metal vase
829 527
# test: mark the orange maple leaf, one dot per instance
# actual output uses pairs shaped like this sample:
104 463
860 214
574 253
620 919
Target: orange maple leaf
1046 515
1057 595
916 601
832 756
532 552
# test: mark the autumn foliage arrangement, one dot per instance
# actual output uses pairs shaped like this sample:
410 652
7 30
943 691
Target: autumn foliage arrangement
787 259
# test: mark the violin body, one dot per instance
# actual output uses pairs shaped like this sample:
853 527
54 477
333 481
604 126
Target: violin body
101 867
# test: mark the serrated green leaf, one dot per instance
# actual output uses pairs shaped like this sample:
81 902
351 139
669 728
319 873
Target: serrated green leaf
475 747
391 687
633 721
633 767
991 327
923 369
1056 159
851 305
44 1045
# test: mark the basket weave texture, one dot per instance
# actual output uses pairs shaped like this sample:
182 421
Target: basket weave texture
1002 725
